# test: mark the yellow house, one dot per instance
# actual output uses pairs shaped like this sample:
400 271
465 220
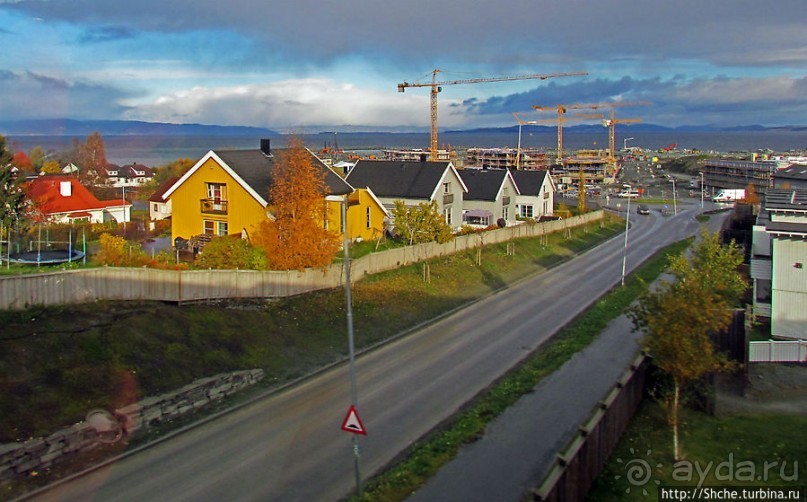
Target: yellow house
366 215
226 192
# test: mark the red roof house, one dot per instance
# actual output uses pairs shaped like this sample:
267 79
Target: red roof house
62 199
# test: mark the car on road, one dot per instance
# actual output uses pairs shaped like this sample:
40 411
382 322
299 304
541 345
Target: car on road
642 209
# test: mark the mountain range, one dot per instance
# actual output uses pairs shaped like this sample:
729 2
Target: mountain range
71 127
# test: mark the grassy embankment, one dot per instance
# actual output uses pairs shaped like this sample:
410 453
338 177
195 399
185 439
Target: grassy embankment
56 364
751 450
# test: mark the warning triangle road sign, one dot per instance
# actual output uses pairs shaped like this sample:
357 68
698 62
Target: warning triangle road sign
352 422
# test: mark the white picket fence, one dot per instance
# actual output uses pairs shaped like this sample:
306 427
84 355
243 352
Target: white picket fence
775 351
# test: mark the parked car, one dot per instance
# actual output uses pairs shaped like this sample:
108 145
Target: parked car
633 194
642 209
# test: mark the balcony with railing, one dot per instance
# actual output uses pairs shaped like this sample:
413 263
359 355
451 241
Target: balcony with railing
213 206
448 198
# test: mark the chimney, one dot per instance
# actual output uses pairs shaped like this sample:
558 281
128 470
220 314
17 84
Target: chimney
266 147
65 189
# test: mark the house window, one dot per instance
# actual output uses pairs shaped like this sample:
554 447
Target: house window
368 222
217 192
447 187
215 227
546 195
155 207
447 213
526 211
505 212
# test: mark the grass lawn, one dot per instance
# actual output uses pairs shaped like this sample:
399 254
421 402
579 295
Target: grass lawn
753 450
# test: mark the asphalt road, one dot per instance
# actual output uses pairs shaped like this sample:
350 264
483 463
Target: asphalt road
290 446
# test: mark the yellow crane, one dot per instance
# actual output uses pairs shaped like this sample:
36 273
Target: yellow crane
437 87
611 125
562 109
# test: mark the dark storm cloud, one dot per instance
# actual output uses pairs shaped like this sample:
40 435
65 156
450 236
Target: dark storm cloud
40 96
673 101
723 32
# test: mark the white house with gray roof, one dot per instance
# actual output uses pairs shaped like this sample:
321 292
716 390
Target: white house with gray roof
779 262
491 197
413 182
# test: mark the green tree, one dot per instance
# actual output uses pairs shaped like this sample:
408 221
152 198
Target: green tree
679 317
37 156
12 196
230 253
5 155
421 223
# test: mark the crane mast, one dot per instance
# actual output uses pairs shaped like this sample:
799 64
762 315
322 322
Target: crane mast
436 87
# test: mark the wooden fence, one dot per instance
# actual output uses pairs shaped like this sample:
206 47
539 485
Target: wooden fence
776 351
578 466
117 283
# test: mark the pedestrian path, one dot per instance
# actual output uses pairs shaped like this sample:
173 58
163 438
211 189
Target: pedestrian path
520 446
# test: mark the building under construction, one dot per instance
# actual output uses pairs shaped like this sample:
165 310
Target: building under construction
418 154
594 166
506 158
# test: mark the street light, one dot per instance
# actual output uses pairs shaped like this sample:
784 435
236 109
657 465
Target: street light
625 247
701 173
625 143
675 205
518 150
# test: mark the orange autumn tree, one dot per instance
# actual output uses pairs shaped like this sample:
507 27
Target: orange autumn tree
296 236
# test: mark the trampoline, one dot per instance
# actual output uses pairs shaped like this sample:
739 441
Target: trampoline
49 257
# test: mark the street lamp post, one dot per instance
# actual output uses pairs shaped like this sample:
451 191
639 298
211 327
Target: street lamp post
625 143
675 205
701 173
351 350
625 247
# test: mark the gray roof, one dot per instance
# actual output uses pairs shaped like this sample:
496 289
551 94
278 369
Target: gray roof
786 199
793 171
483 184
529 182
787 229
255 168
394 178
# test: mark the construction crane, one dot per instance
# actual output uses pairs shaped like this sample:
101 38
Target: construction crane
562 109
437 87
607 123
611 125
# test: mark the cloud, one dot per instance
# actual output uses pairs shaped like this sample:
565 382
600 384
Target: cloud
294 103
484 33
42 96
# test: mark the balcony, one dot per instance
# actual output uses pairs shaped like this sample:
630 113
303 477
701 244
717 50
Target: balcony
448 198
505 201
213 206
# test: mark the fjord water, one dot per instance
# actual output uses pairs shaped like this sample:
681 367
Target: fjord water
154 151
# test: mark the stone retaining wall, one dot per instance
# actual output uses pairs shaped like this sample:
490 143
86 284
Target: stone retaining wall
18 459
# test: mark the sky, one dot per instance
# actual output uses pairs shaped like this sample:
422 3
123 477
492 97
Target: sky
309 65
